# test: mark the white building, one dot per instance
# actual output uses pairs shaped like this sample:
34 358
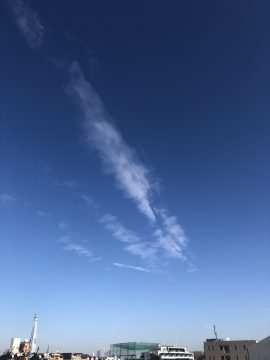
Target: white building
101 353
15 345
162 352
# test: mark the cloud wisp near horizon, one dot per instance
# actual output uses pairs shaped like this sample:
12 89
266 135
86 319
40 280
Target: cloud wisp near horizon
131 175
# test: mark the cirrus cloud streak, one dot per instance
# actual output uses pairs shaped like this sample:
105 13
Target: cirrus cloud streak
131 176
138 268
117 157
28 23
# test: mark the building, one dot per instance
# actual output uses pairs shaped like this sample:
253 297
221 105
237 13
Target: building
130 350
72 356
220 349
15 345
101 354
198 355
164 352
24 346
260 350
53 356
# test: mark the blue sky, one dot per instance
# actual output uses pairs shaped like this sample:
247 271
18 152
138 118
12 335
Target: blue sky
134 172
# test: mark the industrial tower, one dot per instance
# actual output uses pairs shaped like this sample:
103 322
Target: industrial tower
33 339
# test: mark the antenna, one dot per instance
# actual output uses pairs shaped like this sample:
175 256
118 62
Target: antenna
215 332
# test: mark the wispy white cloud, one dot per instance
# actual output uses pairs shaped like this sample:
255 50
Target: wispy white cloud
133 243
117 157
118 230
47 177
89 201
28 23
64 239
147 251
170 236
43 213
169 239
69 184
191 267
77 248
131 175
63 225
138 268
7 199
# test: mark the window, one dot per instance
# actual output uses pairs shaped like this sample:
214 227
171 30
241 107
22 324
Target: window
235 347
220 347
245 347
212 347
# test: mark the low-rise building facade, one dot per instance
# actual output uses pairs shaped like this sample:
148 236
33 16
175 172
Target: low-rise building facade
221 349
260 350
130 350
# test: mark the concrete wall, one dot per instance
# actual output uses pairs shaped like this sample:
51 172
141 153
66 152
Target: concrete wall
260 351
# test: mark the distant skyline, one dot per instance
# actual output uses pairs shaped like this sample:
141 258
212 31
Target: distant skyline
134 193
